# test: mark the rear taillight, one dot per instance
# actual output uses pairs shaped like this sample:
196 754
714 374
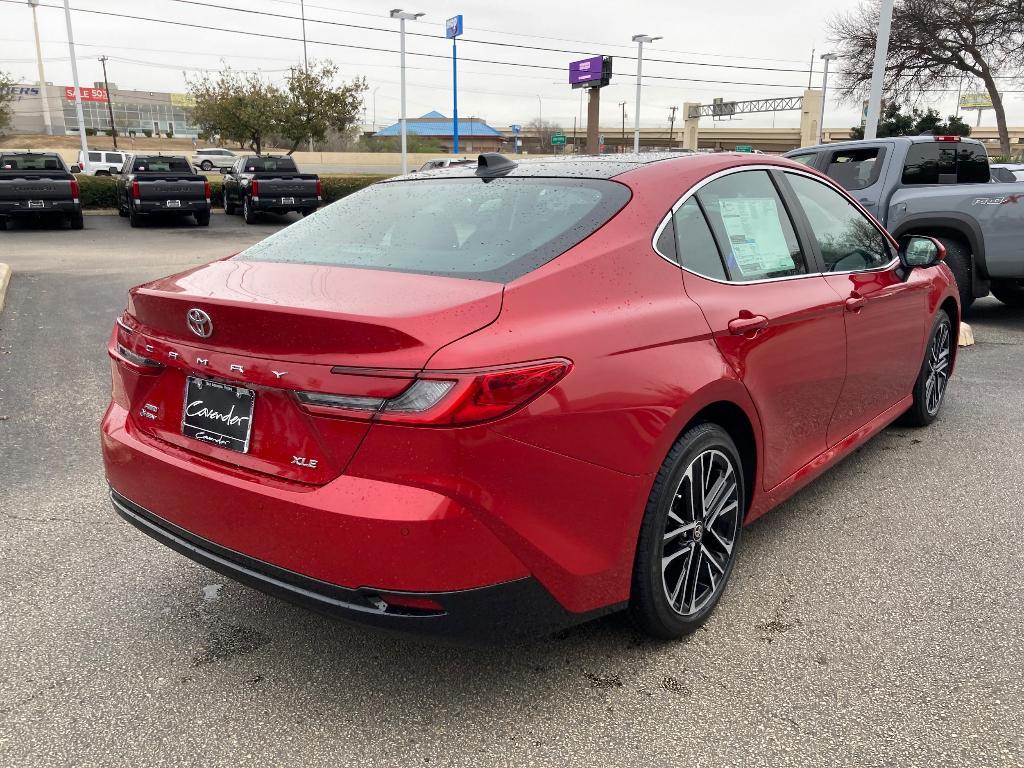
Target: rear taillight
319 189
947 138
448 398
74 190
136 194
136 359
254 188
206 189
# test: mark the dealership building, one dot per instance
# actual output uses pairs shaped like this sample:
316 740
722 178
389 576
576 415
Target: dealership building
139 111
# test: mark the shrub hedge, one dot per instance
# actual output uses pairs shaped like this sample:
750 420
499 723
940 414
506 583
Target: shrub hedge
100 191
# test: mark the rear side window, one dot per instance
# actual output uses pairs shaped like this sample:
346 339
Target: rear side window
113 157
695 245
496 230
751 224
803 159
855 168
261 164
944 162
95 157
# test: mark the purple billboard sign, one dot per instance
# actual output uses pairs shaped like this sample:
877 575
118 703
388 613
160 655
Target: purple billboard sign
586 70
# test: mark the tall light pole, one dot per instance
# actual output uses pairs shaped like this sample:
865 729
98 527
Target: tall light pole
48 125
452 29
403 16
305 58
878 72
78 89
375 108
826 57
639 40
622 105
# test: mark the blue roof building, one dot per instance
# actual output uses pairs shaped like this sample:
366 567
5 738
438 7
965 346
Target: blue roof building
475 135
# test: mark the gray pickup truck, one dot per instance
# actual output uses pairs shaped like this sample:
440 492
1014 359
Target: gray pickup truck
938 186
38 185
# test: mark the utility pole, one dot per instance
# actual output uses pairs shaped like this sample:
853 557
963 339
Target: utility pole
878 71
305 57
826 57
672 126
78 89
622 105
110 100
810 72
48 125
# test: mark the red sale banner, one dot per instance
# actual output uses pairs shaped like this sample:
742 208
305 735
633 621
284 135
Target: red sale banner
88 94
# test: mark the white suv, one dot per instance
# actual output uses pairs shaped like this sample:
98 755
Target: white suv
101 163
213 157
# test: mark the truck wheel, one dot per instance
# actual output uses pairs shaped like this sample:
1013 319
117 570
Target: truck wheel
202 218
229 207
76 220
247 212
1010 292
958 259
134 219
307 211
3 224
122 212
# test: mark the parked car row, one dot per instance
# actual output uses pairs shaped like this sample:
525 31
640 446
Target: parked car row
40 185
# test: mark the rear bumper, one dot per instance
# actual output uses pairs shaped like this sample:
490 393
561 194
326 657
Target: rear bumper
160 206
274 204
512 609
54 207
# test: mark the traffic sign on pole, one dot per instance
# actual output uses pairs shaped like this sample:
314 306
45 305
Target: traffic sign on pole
452 29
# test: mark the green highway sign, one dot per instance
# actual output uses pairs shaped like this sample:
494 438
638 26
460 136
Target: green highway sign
744 148
557 139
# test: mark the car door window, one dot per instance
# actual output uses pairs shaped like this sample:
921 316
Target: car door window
855 168
807 159
752 227
695 246
847 239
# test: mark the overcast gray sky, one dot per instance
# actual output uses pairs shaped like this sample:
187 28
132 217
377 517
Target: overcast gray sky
739 51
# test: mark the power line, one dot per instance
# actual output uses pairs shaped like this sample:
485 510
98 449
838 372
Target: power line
266 35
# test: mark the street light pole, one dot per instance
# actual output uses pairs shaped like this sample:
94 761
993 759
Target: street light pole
402 16
878 71
826 57
639 40
622 105
47 124
78 89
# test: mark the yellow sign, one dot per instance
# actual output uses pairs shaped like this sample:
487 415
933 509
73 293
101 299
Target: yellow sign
182 100
975 100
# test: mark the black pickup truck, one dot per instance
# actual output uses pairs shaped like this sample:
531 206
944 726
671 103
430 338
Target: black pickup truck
37 185
161 185
256 184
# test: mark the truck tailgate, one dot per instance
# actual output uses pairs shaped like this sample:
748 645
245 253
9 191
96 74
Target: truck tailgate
20 186
287 186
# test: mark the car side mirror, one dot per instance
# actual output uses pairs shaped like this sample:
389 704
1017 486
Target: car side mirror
919 251
75 169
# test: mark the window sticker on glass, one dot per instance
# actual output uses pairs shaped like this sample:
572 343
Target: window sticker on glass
758 244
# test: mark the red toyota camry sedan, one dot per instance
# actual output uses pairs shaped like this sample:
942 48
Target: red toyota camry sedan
498 399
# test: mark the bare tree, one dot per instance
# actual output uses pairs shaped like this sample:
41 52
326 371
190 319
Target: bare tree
933 45
544 130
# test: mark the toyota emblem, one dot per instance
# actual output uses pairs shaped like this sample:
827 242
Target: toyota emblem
199 323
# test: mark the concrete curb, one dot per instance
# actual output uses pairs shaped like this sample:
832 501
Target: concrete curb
5 279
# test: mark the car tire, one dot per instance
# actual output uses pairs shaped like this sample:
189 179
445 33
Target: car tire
3 224
307 211
247 212
699 495
122 212
206 165
229 207
202 218
958 259
76 220
134 219
102 173
1010 292
930 387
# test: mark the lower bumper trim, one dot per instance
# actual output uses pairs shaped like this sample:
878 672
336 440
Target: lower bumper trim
501 612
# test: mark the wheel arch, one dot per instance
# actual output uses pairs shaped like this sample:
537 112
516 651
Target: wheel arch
951 309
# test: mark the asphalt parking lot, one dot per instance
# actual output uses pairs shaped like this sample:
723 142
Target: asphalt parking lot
875 619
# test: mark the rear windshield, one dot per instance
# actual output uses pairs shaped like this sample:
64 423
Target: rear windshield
495 230
259 164
30 163
161 165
